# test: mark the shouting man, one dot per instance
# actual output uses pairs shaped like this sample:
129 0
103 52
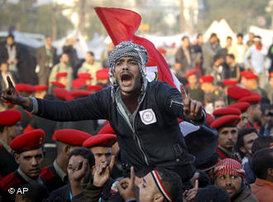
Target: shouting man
143 114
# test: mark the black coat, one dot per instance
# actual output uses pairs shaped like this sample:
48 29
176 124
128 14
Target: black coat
154 137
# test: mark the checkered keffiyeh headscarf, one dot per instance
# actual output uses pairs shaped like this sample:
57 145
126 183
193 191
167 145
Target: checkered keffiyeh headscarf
228 167
128 49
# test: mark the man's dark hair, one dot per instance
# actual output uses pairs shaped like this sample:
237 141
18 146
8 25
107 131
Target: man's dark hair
240 35
198 35
171 182
231 56
212 193
84 152
240 140
10 36
261 143
229 37
3 62
262 160
184 37
217 57
213 35
91 53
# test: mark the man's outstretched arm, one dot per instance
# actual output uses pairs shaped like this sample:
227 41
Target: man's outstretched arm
88 108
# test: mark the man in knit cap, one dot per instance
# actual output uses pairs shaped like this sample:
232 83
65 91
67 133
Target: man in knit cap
143 114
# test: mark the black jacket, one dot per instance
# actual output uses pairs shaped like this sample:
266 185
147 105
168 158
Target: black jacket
154 137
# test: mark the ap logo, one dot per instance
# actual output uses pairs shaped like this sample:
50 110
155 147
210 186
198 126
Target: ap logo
11 190
19 190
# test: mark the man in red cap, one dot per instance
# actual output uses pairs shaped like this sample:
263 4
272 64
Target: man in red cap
90 66
62 66
29 154
67 140
254 110
102 77
228 133
194 89
229 173
9 129
242 106
252 84
100 145
40 91
211 91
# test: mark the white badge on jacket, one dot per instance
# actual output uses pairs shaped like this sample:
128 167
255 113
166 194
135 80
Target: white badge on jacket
147 116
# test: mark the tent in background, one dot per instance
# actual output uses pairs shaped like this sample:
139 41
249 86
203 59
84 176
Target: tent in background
222 29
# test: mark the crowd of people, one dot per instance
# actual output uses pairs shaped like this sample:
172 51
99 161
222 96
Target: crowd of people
100 131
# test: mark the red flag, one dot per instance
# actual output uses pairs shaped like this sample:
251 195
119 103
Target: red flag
120 24
156 59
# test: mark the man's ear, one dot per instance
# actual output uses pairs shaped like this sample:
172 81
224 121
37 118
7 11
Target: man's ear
17 158
270 172
66 149
158 197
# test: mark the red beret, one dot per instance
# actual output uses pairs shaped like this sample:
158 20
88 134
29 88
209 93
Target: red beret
243 106
102 73
61 74
76 94
60 93
78 83
71 136
250 75
94 87
251 99
40 88
58 84
226 111
244 73
107 129
209 119
206 79
228 167
10 117
191 72
230 82
237 92
227 120
86 76
28 141
24 87
106 140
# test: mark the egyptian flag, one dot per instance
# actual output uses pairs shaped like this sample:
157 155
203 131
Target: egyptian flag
121 25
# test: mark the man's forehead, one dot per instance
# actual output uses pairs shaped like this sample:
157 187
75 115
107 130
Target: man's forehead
32 152
126 58
228 128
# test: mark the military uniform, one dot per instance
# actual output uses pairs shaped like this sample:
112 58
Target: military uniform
14 180
54 177
7 162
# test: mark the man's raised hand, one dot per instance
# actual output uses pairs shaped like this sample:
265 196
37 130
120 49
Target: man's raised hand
12 96
192 108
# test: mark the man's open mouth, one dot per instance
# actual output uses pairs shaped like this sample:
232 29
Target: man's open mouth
126 79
